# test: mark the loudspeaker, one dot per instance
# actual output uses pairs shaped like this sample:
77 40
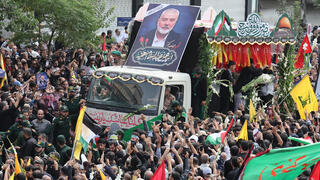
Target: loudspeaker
136 4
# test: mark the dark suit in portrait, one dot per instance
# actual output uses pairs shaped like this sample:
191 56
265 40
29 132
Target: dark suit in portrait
173 40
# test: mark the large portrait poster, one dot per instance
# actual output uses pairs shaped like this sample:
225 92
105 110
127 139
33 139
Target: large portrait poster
163 36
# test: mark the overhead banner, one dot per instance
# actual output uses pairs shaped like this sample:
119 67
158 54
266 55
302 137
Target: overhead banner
253 27
163 36
123 21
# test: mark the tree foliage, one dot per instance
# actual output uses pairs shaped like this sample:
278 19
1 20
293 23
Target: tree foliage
317 2
283 7
71 22
294 11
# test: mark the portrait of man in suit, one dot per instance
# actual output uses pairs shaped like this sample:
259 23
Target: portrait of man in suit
164 35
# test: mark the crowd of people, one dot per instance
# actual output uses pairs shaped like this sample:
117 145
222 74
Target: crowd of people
42 94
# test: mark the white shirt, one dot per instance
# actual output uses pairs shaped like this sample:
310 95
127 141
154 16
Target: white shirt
124 36
157 42
119 38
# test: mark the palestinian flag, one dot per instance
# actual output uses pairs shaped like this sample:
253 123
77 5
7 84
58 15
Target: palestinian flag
218 138
89 131
86 129
214 138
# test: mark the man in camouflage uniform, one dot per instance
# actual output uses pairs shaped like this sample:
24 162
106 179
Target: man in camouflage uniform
48 147
73 104
39 150
20 140
61 125
16 128
63 150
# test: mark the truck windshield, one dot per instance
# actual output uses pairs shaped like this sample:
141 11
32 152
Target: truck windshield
125 96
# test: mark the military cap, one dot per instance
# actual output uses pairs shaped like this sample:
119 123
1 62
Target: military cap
117 53
26 123
175 103
64 109
120 132
61 139
55 156
41 144
21 116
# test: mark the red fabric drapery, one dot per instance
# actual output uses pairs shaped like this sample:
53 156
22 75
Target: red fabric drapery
241 55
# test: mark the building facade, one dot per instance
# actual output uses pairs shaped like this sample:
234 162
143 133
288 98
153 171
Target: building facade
238 10
129 8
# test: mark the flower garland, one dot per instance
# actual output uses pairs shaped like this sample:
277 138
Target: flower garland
286 71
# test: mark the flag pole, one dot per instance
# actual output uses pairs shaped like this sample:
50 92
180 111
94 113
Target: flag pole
291 89
74 145
284 98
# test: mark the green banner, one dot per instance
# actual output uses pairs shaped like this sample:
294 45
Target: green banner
128 132
286 163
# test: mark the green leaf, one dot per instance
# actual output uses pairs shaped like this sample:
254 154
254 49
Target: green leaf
73 23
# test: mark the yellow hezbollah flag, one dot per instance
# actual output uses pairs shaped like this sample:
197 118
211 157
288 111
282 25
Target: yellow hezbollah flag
103 177
12 176
252 111
304 97
77 144
29 162
4 69
244 132
17 166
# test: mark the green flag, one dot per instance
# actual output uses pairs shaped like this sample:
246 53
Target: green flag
128 132
286 163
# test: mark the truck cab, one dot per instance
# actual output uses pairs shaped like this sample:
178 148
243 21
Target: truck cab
116 91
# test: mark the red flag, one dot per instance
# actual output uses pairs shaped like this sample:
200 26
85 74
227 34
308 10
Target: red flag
304 49
104 48
224 134
315 175
160 173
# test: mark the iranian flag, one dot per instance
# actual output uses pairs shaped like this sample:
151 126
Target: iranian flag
284 163
218 138
223 21
219 24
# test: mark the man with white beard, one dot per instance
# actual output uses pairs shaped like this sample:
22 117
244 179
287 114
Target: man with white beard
163 35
